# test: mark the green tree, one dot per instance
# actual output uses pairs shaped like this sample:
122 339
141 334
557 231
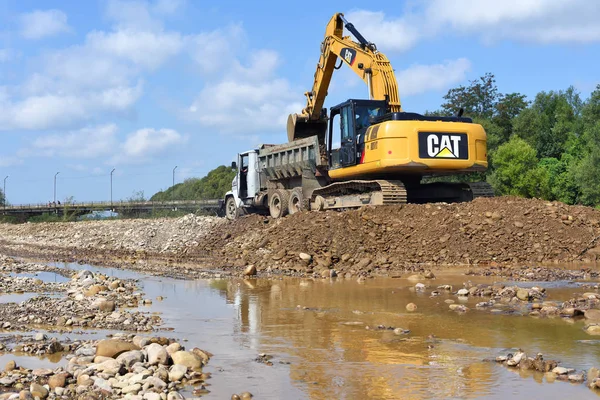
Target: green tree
506 109
478 99
213 186
588 177
2 198
516 170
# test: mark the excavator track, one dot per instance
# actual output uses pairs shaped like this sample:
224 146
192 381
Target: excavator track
357 193
481 189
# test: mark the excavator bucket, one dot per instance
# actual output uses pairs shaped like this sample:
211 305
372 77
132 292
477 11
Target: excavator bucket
299 127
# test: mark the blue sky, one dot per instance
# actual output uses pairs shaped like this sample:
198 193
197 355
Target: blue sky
143 86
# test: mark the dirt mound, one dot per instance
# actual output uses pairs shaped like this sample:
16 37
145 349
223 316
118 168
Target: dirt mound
493 231
369 241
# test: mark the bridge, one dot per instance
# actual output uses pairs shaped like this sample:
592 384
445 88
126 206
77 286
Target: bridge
120 207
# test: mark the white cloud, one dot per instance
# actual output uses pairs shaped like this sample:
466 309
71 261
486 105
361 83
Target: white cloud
145 144
249 98
422 78
39 24
144 48
89 142
9 161
214 50
167 7
396 34
46 111
536 21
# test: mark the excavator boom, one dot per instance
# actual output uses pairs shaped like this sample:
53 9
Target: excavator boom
363 58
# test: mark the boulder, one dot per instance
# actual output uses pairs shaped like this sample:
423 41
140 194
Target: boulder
187 358
113 347
38 391
177 372
157 354
57 380
129 358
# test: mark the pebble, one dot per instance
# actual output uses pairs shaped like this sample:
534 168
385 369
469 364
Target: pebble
411 307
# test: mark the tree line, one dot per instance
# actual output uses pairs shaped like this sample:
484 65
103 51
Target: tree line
547 148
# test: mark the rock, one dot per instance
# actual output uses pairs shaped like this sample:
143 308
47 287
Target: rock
305 257
10 365
523 294
136 387
177 372
571 312
110 367
458 307
593 373
419 287
114 284
411 307
463 292
250 270
429 275
172 348
155 383
38 390
560 371
40 336
235 397
187 358
246 396
57 380
175 396
107 306
42 372
592 314
151 396
25 395
103 385
101 359
518 224
129 358
576 378
363 263
416 278
157 354
401 331
592 329
204 355
93 290
113 347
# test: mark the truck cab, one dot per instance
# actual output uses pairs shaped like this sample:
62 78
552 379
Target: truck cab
245 185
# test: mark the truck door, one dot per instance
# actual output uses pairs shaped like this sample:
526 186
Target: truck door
348 142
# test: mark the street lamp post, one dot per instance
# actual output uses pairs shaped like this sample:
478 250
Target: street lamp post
55 188
111 203
4 191
173 187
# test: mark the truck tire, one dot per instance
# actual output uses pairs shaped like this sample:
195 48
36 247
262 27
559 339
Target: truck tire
296 203
278 203
231 209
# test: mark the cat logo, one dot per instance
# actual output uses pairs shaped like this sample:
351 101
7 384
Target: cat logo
443 145
348 55
447 147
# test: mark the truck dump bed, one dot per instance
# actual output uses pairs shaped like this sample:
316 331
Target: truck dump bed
290 159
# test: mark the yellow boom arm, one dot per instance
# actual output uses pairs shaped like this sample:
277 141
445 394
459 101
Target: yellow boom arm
370 65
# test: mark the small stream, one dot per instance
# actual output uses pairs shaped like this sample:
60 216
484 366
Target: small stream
316 331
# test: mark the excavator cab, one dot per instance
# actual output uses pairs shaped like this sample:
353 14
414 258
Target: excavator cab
348 123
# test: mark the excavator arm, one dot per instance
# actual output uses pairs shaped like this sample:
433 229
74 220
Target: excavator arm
363 58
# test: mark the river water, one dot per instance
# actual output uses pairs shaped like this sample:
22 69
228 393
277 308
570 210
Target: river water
316 332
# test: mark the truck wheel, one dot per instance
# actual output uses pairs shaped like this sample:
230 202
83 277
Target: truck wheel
231 209
278 203
296 201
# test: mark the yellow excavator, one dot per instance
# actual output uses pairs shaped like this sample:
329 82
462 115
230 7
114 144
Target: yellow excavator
362 152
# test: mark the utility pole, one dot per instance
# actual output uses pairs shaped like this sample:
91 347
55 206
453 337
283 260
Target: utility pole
173 187
55 188
4 191
111 203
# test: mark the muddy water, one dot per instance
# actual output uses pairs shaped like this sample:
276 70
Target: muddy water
317 333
